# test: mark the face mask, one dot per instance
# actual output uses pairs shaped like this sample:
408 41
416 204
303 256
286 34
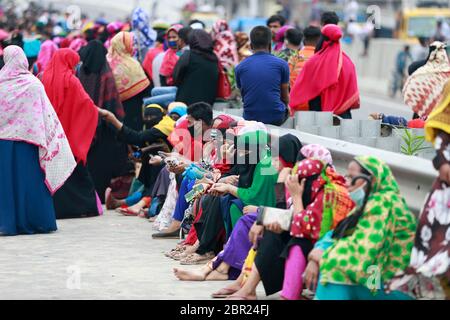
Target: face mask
172 44
358 196
150 123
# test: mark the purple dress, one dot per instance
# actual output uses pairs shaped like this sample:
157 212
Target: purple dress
237 247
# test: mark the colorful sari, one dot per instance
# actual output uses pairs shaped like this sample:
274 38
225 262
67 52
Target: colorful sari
128 73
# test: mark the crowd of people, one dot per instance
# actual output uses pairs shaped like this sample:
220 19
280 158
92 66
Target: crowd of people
121 116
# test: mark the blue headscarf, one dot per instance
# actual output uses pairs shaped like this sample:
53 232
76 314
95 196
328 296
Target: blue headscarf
144 35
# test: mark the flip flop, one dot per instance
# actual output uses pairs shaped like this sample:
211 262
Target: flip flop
195 259
127 212
223 293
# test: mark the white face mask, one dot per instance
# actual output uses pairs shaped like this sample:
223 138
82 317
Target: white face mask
358 196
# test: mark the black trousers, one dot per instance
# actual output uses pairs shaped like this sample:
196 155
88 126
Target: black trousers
270 259
210 227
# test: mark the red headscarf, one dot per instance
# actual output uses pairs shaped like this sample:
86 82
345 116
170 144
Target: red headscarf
74 107
329 74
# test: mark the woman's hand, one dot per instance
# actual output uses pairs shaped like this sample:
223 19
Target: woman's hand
275 228
255 233
250 209
110 117
178 169
155 160
233 180
227 151
284 174
311 275
106 115
294 187
444 173
220 188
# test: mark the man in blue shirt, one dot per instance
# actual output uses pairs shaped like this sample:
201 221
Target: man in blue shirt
264 81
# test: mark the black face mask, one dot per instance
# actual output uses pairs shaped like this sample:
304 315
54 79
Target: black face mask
152 122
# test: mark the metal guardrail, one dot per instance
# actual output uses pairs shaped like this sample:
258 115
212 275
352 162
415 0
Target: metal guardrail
414 175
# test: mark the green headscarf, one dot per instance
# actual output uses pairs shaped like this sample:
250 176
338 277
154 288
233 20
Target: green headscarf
383 238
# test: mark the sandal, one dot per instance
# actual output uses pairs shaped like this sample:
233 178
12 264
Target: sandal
195 259
143 213
223 293
127 212
173 252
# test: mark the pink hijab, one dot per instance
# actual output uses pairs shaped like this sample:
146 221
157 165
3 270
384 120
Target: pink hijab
77 44
279 37
27 115
48 49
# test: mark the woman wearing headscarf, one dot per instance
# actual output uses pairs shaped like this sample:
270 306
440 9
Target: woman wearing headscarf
372 244
171 56
280 37
255 186
224 44
77 44
423 89
197 73
229 262
159 126
113 28
328 81
131 80
144 35
320 201
98 81
48 49
428 275
79 117
36 159
243 45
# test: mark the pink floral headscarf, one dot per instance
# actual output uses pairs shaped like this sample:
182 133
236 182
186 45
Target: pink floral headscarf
316 151
27 115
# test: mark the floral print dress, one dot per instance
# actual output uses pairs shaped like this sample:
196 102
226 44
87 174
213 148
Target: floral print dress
430 255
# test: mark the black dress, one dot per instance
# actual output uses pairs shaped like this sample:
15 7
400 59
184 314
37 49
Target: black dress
149 173
196 78
107 158
77 197
133 111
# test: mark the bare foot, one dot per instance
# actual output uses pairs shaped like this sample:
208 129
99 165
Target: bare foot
217 276
195 275
111 202
173 227
243 295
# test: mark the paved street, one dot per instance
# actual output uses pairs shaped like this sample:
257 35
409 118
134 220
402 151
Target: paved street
116 257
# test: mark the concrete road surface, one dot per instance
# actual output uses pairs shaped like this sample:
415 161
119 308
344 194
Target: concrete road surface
109 257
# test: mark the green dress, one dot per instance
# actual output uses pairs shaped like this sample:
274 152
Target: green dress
262 190
382 241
